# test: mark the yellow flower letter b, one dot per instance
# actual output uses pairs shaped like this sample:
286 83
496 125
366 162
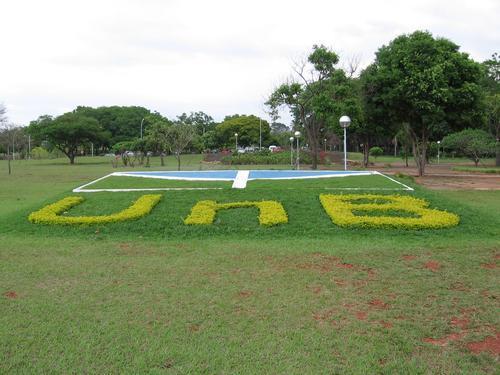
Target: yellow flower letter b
408 213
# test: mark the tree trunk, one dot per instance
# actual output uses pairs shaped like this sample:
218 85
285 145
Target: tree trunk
420 151
71 158
366 153
178 156
497 162
314 155
8 162
162 161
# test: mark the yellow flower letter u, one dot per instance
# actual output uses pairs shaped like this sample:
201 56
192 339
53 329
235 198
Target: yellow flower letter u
51 214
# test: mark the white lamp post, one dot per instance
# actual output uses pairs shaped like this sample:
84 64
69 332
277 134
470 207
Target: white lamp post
324 141
345 121
260 134
236 136
438 142
291 152
142 122
297 135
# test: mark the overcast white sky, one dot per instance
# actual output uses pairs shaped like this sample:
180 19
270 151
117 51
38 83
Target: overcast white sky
221 57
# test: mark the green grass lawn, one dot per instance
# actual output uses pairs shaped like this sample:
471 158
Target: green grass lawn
156 296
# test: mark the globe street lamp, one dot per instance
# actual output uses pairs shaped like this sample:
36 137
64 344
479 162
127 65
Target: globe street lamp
291 152
297 135
345 121
438 142
236 136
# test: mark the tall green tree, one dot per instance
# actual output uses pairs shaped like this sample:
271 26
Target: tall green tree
200 120
474 144
492 100
123 123
429 84
157 137
317 95
68 132
178 137
248 129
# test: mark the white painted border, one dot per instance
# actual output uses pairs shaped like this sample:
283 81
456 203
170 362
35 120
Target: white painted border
406 187
81 189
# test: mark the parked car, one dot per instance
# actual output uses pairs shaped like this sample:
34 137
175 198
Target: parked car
274 148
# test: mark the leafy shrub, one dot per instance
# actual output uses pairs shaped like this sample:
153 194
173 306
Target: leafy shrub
266 157
376 151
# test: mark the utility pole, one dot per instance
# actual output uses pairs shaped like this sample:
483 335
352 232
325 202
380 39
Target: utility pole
260 134
8 157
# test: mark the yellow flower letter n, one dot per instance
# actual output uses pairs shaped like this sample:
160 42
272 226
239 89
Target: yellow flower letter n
270 212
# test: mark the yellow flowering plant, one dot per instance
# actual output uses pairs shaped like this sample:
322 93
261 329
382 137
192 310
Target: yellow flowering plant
270 212
414 212
51 214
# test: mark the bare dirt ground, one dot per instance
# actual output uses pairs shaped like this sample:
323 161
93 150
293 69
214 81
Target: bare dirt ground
442 177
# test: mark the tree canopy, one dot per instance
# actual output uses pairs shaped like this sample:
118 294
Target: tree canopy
474 144
317 95
248 129
122 123
68 132
427 83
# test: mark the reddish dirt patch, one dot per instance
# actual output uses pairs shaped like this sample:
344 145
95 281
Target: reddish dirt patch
322 316
345 265
317 289
475 182
245 294
10 294
323 268
460 322
329 258
409 257
490 344
194 328
361 315
459 287
446 339
169 363
340 282
489 266
497 256
386 324
432 265
379 304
